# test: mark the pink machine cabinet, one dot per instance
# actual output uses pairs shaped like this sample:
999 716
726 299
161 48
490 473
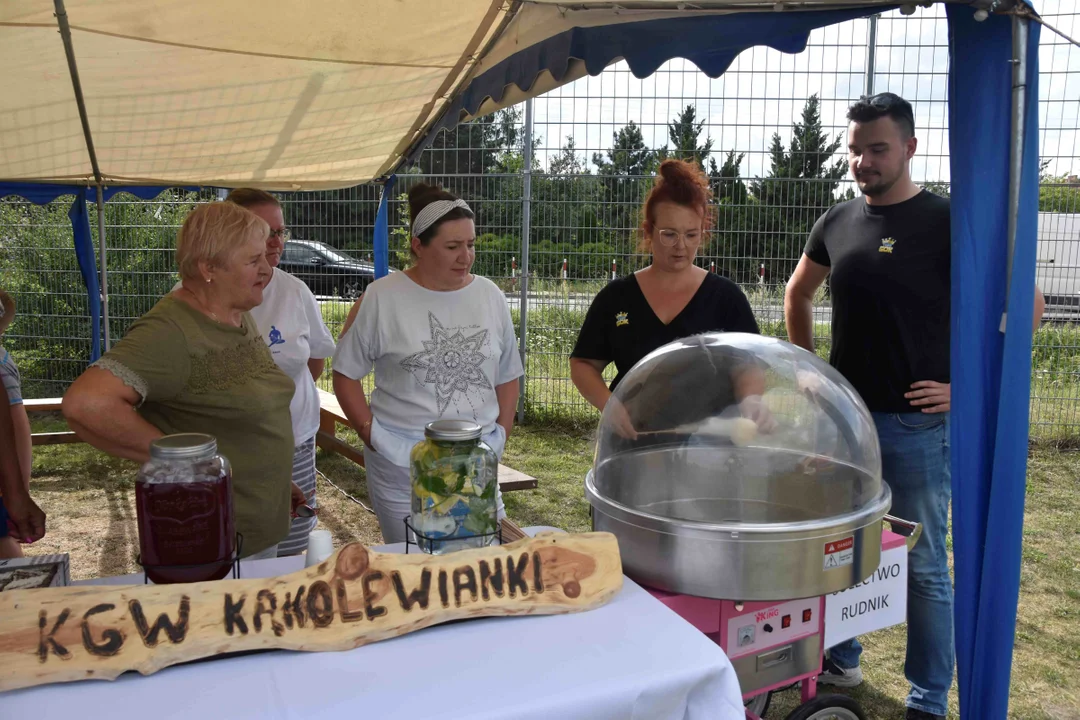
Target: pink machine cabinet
771 645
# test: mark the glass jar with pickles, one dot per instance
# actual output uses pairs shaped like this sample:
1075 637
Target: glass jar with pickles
455 477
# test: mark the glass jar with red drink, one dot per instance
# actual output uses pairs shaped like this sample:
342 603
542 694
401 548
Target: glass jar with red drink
183 499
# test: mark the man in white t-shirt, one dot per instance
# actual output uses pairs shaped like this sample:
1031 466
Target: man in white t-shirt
299 341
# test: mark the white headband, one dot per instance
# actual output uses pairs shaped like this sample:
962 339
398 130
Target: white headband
433 211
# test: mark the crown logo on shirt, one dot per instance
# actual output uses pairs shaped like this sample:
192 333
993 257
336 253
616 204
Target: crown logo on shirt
621 318
887 245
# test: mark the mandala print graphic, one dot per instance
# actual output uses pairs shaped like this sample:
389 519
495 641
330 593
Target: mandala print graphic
451 362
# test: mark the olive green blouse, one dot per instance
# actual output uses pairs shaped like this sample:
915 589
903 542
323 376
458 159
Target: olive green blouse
198 375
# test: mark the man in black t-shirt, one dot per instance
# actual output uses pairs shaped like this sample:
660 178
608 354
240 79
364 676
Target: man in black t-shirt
889 257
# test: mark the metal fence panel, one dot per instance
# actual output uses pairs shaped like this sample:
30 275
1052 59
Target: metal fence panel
769 133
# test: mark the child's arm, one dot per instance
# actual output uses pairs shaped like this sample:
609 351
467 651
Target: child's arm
20 424
25 519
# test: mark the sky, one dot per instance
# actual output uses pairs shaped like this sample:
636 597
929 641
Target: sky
764 91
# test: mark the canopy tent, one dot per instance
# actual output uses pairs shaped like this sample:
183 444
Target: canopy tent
296 96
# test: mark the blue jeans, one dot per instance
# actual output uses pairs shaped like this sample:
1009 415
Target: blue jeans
915 464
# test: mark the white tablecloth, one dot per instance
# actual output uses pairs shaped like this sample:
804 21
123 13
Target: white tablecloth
632 658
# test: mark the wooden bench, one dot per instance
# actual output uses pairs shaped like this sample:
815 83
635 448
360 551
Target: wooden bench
331 414
44 405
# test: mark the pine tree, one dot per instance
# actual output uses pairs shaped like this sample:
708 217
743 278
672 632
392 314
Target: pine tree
684 134
725 180
567 162
802 183
624 181
629 155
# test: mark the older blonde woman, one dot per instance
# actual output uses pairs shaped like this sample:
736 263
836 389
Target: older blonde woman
196 362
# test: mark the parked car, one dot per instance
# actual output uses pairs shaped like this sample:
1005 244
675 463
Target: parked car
325 270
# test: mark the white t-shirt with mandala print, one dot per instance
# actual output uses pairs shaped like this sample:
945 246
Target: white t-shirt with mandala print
436 355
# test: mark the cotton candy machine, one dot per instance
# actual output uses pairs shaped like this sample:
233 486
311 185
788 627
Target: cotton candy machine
742 477
737 466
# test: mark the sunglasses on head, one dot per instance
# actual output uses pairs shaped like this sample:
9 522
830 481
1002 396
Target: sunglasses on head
890 101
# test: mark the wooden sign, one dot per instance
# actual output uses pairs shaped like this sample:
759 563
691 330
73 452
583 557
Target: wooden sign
353 598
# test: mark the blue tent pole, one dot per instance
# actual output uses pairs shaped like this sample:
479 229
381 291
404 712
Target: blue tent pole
84 253
104 268
382 230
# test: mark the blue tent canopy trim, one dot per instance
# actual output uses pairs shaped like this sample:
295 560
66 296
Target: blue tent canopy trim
711 43
44 193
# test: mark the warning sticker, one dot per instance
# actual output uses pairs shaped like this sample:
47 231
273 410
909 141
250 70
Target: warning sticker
839 552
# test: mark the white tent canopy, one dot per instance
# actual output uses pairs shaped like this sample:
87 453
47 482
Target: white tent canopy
280 94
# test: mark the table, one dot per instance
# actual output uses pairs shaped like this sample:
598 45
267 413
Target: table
630 659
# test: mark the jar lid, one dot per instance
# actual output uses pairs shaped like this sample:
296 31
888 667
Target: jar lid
452 430
183 446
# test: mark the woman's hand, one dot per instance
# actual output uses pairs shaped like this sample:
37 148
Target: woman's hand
365 432
296 499
620 418
350 395
507 397
931 396
754 408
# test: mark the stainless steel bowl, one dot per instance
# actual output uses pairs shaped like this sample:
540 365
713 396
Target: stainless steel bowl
739 523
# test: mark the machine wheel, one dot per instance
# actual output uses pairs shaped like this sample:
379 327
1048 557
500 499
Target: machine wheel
759 704
828 707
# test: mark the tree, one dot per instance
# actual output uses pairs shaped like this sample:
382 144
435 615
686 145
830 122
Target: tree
684 134
474 148
735 210
567 161
726 182
1059 194
937 187
628 156
802 183
622 177
566 202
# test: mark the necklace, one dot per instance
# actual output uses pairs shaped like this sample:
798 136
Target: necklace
205 307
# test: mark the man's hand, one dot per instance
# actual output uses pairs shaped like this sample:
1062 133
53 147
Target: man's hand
930 396
26 521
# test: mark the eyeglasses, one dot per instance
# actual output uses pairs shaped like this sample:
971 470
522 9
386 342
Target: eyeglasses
283 234
669 237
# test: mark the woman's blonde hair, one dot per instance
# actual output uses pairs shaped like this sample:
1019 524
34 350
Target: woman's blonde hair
212 232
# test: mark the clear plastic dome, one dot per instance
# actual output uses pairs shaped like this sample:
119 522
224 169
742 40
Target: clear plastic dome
737 428
741 467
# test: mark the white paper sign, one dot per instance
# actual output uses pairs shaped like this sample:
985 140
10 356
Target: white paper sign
878 602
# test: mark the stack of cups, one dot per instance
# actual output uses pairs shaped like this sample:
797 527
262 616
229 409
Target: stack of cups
319 547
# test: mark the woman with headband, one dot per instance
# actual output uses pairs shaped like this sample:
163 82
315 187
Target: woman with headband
442 345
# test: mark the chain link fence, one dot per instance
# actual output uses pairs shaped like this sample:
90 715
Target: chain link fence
769 133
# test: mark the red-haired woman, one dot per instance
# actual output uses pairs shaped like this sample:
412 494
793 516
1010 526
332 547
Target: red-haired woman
669 299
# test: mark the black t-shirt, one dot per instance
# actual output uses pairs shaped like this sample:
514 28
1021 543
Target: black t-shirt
890 294
622 328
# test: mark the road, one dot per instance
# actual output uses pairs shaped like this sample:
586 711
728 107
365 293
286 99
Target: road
769 312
